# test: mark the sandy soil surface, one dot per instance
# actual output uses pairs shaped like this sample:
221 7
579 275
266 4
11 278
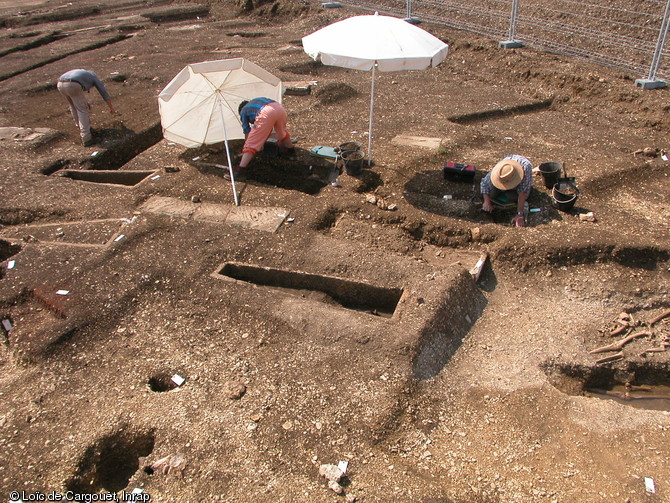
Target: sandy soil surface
321 323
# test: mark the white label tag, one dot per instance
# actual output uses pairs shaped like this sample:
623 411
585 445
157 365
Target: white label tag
649 485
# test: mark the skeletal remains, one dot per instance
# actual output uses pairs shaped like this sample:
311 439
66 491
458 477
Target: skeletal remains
626 323
173 464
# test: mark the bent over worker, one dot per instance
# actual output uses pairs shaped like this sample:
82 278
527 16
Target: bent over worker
513 178
72 85
259 117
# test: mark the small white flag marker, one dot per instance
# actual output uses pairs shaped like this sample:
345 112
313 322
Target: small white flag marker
649 485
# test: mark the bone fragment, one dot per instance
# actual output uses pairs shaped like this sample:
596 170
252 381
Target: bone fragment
616 346
611 358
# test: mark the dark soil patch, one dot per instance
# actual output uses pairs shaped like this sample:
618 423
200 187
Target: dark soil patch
335 93
109 463
177 13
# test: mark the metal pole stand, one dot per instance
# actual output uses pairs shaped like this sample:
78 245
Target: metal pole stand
510 44
650 84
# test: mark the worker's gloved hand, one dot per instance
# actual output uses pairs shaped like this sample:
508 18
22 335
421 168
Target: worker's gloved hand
487 206
520 221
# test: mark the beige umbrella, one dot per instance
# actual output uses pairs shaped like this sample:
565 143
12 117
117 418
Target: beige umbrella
199 106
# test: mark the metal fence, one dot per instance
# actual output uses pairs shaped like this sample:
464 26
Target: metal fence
629 35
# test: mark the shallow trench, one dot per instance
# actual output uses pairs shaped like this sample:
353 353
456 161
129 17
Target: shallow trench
641 385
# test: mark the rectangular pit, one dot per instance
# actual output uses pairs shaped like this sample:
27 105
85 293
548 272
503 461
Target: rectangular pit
125 178
348 294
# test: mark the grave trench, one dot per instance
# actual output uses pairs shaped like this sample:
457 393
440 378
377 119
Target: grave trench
39 64
111 461
641 385
7 250
57 15
175 13
125 178
348 294
245 34
38 42
104 168
86 233
127 149
501 112
55 166
555 254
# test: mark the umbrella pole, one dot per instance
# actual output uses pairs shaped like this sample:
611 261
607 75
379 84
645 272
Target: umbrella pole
372 106
230 163
232 176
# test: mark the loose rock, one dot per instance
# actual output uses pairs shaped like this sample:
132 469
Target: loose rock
331 472
337 488
234 390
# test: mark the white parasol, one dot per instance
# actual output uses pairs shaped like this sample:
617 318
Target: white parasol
199 106
375 42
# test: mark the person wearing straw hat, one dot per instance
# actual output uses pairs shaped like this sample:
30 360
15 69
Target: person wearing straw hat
510 180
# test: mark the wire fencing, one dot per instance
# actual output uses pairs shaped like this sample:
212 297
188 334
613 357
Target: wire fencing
628 35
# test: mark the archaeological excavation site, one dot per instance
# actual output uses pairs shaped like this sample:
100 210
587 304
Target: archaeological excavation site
342 324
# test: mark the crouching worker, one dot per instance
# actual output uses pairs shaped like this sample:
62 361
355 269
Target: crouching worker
509 182
259 117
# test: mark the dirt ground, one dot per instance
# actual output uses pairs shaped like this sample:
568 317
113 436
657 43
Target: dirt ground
322 323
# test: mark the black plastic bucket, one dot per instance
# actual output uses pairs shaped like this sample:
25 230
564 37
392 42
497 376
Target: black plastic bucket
564 194
551 172
353 161
350 145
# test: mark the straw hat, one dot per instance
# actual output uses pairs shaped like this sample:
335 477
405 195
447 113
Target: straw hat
507 174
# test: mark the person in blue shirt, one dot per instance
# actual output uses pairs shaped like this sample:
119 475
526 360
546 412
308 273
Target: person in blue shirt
72 85
259 117
512 178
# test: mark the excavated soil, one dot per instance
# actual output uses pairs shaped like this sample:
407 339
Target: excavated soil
157 337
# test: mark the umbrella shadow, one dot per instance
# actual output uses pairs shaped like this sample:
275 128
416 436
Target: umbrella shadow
288 174
268 169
